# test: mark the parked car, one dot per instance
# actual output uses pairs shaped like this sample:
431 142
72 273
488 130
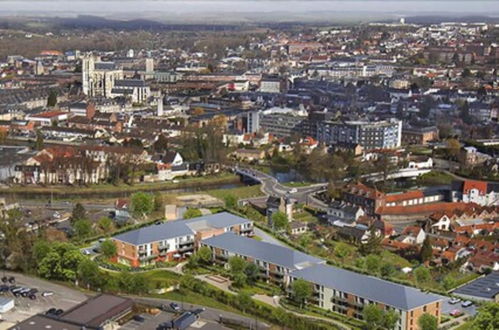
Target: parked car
51 311
456 313
58 312
47 293
138 318
454 301
175 307
466 303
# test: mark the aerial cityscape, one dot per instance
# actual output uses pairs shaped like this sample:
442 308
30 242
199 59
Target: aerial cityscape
249 164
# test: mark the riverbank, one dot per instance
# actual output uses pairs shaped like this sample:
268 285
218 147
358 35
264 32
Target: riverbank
219 181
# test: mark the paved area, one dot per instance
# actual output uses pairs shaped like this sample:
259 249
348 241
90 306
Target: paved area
63 298
447 307
267 237
151 322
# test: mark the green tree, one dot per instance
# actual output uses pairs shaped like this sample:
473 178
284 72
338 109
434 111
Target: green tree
192 213
88 273
342 250
487 317
301 291
142 203
244 301
252 272
237 264
387 269
239 279
280 221
373 264
422 274
108 248
158 201
376 318
205 255
105 224
230 202
39 142
373 243
427 322
82 228
426 250
52 99
79 213
449 282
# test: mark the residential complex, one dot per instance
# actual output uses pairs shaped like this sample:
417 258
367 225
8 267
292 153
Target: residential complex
174 240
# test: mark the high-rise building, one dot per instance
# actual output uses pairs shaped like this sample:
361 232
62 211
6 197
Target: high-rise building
386 134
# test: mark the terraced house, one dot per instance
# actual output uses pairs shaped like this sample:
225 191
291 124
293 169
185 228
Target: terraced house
175 240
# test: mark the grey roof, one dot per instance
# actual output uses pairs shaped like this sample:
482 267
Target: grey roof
484 287
367 287
130 83
154 233
105 66
271 253
172 229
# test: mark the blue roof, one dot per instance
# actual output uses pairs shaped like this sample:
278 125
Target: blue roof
271 253
486 287
177 228
368 287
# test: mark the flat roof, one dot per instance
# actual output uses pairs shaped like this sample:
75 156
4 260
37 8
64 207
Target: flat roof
97 310
39 321
271 253
368 287
484 287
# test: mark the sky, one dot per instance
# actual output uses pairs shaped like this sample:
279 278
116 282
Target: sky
166 8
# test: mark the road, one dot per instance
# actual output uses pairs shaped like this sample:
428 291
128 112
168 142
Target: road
272 187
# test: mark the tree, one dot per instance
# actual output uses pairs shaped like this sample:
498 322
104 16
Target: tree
158 201
252 272
108 248
426 250
236 265
230 202
52 99
105 224
449 282
279 221
373 243
377 319
487 317
88 273
239 279
373 263
79 213
422 274
39 142
464 112
243 301
82 228
192 213
453 147
142 203
387 269
427 322
301 291
161 144
204 254
342 250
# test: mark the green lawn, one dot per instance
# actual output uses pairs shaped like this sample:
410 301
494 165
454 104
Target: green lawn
239 192
465 326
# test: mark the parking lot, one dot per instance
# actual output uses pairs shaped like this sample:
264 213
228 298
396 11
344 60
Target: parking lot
62 298
151 322
447 308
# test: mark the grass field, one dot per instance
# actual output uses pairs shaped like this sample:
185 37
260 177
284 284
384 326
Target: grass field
239 192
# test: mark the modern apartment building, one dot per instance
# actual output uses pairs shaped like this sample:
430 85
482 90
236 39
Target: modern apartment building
174 240
275 262
347 293
386 134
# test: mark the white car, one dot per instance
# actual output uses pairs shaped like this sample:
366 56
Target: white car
47 293
293 190
466 303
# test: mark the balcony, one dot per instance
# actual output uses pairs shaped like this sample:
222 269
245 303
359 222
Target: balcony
186 248
191 241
